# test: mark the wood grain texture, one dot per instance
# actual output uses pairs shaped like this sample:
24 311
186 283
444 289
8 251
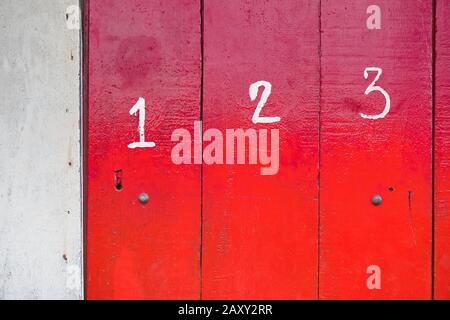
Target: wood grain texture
260 232
390 156
140 251
442 151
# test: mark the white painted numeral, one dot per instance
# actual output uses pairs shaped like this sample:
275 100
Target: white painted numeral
254 87
139 107
373 87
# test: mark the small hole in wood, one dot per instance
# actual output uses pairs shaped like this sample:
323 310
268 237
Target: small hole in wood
118 180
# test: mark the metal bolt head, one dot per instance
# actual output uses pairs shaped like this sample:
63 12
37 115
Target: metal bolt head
143 198
376 200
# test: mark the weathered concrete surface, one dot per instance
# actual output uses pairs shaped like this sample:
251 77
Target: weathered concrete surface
40 207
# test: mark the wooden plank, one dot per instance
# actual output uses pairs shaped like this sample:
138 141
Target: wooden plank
442 152
260 231
148 49
40 219
361 243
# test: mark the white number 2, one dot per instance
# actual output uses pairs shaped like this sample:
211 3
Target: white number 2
254 87
373 87
139 107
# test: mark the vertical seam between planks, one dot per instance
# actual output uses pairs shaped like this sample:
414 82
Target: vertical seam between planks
433 143
318 153
201 164
84 108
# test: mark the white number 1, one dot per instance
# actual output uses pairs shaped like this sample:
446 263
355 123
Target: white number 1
139 107
373 87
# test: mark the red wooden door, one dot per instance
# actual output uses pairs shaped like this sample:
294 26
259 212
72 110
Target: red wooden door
370 251
205 138
442 149
260 228
150 50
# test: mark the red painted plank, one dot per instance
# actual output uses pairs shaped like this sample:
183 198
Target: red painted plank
148 49
442 152
390 156
260 231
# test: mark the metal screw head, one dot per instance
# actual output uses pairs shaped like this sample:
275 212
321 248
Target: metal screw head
376 199
143 198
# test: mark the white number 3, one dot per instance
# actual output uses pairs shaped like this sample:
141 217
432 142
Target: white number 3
373 87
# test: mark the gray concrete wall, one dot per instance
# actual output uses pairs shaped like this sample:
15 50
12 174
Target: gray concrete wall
40 198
